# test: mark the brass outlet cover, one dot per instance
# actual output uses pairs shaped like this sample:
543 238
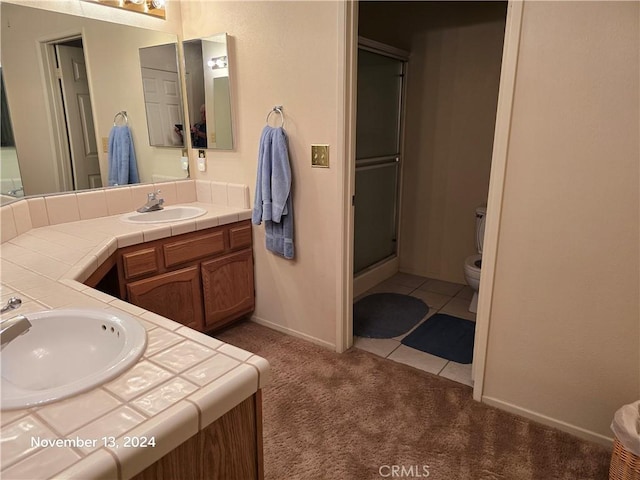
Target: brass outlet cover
105 144
320 156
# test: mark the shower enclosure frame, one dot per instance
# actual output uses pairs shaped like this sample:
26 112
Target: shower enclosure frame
379 270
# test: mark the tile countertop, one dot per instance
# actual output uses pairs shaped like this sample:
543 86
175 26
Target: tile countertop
184 381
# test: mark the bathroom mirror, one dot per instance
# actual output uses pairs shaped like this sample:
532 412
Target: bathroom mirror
106 56
208 94
162 98
11 181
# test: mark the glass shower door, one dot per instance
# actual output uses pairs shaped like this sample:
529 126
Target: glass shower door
378 157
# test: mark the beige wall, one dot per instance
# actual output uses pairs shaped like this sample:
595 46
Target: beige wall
285 53
113 89
564 328
454 72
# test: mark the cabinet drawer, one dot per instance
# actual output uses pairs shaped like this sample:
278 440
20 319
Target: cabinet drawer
183 251
140 262
240 236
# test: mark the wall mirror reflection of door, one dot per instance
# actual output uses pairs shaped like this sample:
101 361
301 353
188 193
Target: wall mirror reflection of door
78 164
162 98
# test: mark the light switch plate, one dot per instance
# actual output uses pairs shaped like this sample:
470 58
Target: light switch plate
105 144
320 156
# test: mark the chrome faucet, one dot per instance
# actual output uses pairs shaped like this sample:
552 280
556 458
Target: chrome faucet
12 304
12 328
153 204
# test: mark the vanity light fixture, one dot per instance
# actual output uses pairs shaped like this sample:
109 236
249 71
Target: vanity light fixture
150 7
218 62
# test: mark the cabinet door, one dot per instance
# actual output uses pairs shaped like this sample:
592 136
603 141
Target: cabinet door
228 288
176 295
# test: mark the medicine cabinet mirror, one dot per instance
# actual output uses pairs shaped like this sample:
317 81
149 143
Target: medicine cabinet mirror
208 93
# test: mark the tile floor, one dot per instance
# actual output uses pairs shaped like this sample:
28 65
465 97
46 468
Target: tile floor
442 297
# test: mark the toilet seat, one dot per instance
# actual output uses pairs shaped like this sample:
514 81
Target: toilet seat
470 266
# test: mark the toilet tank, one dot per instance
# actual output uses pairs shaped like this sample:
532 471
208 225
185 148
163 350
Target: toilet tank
481 212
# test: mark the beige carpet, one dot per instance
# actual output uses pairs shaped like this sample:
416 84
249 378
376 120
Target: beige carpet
355 416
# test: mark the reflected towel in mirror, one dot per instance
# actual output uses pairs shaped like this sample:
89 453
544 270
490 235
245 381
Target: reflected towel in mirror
123 168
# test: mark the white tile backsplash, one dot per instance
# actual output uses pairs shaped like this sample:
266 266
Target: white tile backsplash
203 191
186 191
92 204
238 195
168 192
62 208
119 200
22 217
219 193
8 229
38 212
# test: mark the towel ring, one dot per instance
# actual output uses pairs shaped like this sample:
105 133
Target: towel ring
276 109
123 115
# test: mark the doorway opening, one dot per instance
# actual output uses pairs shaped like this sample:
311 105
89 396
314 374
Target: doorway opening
76 150
455 51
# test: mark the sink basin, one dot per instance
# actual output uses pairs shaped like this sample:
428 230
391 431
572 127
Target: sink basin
167 214
67 352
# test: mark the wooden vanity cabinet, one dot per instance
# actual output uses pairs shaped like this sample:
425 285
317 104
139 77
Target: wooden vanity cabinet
203 279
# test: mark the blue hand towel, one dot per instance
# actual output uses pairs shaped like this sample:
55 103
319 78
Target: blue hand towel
273 203
123 168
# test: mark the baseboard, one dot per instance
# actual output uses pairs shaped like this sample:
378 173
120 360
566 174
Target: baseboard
370 278
550 422
293 333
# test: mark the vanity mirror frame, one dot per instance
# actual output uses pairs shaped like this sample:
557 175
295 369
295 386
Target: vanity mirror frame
31 105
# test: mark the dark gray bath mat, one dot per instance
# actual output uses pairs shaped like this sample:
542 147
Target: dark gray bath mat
387 315
444 336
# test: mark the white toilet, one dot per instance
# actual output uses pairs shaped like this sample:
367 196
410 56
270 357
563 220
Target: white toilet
472 263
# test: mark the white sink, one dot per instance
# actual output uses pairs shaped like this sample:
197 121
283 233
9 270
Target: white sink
67 352
167 214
